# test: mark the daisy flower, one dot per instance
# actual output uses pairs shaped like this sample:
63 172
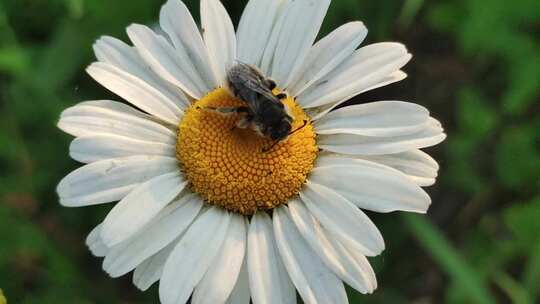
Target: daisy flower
201 208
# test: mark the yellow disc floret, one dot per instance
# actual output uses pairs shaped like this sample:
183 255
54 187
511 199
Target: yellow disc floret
227 166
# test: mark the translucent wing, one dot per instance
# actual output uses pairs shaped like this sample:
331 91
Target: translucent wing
250 85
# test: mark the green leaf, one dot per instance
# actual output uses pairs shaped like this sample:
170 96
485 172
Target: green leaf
531 276
410 11
476 117
14 60
2 297
523 221
449 259
513 289
75 8
524 81
445 16
41 262
463 172
518 158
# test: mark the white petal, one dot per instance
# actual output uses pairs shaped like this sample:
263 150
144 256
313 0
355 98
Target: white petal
109 117
314 281
417 165
218 33
161 231
275 34
367 67
344 220
166 61
353 269
114 106
268 279
320 112
327 54
125 57
176 20
220 279
149 271
350 144
369 185
383 118
100 147
95 244
393 77
139 207
301 23
136 91
193 255
110 180
255 28
241 294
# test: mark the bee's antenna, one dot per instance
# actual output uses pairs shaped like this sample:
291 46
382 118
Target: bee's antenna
277 141
303 126
271 147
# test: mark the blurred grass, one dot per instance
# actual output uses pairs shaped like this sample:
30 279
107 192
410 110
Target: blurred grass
448 258
476 67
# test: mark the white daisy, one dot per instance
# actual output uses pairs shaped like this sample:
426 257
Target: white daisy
201 208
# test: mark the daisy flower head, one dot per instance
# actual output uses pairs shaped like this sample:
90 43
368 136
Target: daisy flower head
236 174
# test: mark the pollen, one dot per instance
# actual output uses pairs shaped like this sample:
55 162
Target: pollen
227 166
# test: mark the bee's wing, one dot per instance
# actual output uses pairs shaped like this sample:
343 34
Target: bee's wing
257 89
248 69
256 92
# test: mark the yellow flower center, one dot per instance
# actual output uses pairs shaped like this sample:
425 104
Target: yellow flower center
228 167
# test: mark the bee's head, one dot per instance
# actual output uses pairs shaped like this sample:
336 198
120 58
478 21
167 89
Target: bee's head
280 130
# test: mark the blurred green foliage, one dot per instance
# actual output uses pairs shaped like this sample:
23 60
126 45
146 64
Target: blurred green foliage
476 66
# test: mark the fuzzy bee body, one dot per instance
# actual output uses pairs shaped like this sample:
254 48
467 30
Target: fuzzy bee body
264 111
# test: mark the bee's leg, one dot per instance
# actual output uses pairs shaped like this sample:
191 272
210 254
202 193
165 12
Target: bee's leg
268 149
244 122
228 110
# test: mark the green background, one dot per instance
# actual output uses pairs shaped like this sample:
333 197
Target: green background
476 67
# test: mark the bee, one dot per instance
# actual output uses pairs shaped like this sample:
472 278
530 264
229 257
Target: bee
264 112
